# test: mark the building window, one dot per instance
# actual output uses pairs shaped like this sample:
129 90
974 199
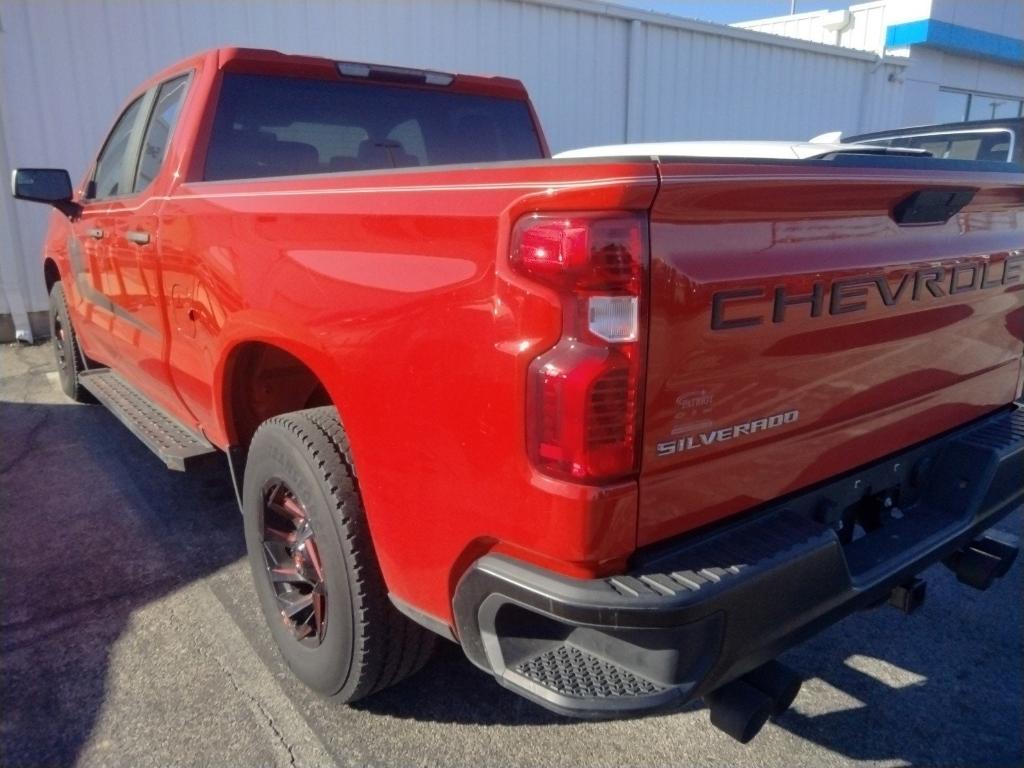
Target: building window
951 106
957 106
991 107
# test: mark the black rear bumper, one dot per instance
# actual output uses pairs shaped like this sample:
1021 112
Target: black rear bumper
699 612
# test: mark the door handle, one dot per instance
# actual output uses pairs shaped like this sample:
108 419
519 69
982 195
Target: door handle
137 236
95 233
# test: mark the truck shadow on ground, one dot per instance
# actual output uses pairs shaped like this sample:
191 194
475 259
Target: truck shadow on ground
933 688
93 528
941 687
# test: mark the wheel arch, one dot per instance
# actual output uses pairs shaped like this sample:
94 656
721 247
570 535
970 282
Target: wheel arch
262 378
51 273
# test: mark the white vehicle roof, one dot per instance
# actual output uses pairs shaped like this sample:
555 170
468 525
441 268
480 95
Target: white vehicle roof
767 150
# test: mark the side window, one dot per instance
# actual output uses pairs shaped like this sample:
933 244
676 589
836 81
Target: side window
111 163
965 148
158 133
939 147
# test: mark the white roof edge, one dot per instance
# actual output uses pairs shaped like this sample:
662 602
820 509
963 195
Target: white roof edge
614 10
869 4
805 15
783 17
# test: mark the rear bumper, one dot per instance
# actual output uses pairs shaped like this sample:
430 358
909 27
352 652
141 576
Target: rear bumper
704 610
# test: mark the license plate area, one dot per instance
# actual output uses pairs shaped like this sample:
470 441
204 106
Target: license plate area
868 516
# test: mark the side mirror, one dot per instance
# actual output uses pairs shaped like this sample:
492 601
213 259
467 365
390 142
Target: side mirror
45 185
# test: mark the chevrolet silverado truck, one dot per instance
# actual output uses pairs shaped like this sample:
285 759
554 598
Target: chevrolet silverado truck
624 425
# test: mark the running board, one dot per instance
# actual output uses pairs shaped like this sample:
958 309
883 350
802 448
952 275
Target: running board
177 446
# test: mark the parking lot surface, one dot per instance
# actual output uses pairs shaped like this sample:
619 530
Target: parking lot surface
130 635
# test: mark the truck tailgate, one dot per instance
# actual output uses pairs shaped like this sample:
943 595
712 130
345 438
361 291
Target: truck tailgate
798 331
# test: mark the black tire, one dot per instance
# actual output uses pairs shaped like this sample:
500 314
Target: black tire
66 350
365 644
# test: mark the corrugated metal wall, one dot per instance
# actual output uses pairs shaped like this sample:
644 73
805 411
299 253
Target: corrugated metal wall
598 73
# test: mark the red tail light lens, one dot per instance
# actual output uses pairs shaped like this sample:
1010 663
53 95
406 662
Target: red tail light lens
581 253
583 394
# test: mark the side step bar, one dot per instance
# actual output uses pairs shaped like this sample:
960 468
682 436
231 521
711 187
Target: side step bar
177 446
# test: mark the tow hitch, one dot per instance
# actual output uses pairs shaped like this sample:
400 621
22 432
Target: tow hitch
985 559
909 596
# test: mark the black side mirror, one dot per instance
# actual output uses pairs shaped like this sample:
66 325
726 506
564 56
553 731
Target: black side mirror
45 185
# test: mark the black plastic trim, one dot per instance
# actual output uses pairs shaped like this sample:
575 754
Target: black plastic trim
931 206
237 456
704 610
425 620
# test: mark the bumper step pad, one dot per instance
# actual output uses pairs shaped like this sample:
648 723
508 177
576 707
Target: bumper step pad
573 672
177 446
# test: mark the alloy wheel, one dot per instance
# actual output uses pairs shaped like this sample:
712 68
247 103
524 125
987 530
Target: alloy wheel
293 564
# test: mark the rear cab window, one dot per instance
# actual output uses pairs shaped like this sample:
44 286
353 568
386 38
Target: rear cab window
158 132
270 125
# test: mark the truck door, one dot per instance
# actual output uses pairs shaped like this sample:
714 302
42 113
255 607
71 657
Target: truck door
96 283
135 252
120 229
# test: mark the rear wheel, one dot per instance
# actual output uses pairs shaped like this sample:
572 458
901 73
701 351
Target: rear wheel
313 562
65 347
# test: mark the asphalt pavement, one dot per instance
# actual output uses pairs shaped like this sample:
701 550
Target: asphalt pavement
130 635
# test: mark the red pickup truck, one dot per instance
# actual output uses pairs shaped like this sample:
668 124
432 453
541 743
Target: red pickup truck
625 428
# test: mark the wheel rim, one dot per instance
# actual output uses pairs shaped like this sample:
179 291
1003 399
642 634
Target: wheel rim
293 564
59 343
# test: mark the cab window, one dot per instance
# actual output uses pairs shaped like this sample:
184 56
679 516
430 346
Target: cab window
108 179
158 133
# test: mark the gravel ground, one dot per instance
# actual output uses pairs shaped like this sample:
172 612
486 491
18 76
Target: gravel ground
130 636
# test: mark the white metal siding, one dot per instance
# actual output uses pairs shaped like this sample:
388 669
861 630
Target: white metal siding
598 73
865 31
699 87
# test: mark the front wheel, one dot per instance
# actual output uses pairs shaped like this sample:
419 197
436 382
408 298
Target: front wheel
314 565
66 351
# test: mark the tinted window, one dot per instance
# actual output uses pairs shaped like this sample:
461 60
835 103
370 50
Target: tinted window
966 148
110 166
158 132
990 146
938 146
278 126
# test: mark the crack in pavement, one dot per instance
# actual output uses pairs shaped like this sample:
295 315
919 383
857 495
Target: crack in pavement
287 727
28 448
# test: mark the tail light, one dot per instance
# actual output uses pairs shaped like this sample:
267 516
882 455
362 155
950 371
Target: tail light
582 397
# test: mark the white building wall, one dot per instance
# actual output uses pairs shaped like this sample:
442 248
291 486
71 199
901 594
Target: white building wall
928 69
598 73
694 86
931 70
1000 17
